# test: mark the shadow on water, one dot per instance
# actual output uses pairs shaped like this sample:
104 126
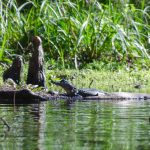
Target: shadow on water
63 124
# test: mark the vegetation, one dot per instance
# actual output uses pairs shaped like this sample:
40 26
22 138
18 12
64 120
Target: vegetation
110 81
110 41
117 81
106 36
76 33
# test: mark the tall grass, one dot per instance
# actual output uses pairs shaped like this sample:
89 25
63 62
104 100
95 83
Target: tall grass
77 32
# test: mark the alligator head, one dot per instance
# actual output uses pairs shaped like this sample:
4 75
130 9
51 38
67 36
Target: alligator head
68 87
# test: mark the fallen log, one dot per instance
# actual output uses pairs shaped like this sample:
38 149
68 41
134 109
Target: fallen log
20 96
8 95
120 96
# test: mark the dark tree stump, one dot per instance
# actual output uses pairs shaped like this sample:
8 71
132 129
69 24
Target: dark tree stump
36 74
15 71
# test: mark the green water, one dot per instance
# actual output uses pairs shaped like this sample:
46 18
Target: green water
83 125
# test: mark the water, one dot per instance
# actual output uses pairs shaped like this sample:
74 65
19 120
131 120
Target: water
83 125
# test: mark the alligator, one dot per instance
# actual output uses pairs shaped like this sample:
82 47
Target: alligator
71 90
94 94
72 94
36 73
14 71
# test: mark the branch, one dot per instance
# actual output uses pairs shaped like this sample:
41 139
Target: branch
5 123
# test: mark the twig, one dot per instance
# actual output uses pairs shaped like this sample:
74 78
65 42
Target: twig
5 123
75 62
91 83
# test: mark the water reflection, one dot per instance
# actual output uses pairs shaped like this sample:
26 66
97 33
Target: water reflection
76 125
24 122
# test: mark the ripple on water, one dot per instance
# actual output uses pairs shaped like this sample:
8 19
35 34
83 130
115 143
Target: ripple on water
78 125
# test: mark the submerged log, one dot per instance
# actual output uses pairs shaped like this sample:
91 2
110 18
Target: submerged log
8 95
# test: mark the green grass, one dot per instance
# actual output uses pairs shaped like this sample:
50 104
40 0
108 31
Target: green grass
111 81
111 38
75 33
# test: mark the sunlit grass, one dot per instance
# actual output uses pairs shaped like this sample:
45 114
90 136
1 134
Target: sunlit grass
104 79
110 81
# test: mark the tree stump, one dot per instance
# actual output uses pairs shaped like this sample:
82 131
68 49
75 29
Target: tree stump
36 73
15 71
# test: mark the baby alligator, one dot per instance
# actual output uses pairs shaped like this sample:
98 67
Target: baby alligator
71 90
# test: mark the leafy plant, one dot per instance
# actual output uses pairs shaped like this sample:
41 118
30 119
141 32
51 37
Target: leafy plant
77 32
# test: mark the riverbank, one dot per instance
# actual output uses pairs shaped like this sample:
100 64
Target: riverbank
121 80
110 81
